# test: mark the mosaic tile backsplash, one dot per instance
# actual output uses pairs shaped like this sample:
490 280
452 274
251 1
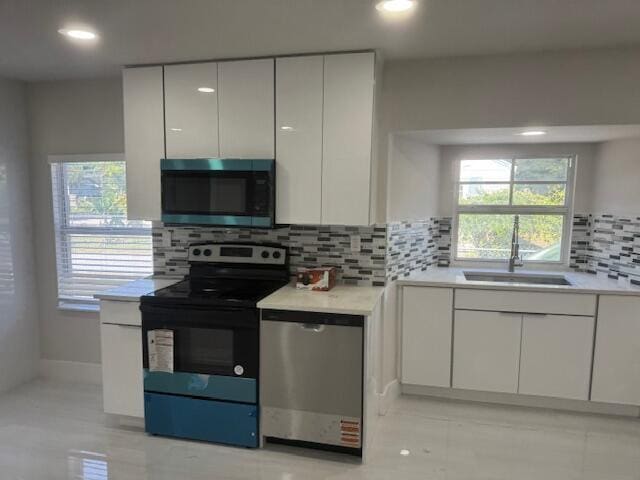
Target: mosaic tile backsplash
416 246
309 246
607 244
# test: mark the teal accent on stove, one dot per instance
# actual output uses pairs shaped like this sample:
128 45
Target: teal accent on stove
219 387
217 164
206 420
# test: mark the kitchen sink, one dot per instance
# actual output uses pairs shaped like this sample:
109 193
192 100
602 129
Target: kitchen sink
531 278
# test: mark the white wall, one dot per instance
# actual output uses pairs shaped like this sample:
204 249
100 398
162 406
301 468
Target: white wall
589 87
617 189
414 177
585 152
67 117
19 350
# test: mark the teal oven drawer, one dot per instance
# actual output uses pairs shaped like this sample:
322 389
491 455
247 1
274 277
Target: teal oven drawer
199 419
218 387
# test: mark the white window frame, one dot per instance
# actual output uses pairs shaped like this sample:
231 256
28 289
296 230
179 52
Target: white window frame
78 303
566 210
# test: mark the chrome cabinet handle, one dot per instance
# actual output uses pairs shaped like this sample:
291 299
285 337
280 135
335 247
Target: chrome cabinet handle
312 327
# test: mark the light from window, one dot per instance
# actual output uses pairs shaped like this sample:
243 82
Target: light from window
492 191
97 248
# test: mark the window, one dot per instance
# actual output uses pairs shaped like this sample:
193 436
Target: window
492 191
97 248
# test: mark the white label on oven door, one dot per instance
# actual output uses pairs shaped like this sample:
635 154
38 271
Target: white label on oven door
160 343
238 370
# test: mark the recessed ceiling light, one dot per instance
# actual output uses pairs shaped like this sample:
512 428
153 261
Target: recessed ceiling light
404 452
286 127
395 5
175 129
532 133
206 89
78 34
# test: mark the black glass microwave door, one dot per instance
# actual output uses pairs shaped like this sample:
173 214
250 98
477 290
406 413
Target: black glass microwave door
202 350
198 193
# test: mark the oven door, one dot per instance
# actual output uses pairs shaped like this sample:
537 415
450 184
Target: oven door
218 192
215 352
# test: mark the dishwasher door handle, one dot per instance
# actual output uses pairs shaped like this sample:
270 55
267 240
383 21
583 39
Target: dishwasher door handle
312 327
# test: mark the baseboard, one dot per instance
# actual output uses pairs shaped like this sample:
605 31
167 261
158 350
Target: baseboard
67 371
390 393
582 406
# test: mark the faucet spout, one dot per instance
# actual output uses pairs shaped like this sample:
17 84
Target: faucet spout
514 257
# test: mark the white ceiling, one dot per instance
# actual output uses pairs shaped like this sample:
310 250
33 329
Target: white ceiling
570 134
154 31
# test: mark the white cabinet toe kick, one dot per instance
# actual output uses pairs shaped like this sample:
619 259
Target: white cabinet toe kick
556 350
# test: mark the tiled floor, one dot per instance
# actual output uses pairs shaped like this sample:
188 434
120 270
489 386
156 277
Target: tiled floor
57 431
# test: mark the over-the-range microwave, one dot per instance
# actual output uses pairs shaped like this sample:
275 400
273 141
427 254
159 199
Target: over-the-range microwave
219 192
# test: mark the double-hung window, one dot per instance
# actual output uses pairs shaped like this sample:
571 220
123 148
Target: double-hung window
97 248
492 191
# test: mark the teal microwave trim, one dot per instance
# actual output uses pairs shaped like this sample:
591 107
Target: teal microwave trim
225 220
217 164
220 387
198 419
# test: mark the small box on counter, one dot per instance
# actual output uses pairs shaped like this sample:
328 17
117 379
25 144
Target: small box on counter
321 279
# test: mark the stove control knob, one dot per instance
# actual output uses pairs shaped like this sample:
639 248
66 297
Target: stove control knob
196 251
207 253
265 254
276 254
238 370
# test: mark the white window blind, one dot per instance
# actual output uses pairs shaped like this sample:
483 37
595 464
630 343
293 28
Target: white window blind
97 248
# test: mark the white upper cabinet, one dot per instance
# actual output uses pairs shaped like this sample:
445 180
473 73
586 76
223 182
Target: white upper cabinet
191 110
246 108
144 140
299 87
347 136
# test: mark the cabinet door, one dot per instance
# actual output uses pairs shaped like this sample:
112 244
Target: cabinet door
246 108
122 384
299 139
486 350
426 336
191 110
616 366
556 356
143 140
347 134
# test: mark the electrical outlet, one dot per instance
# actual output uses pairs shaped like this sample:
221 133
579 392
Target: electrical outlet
166 239
355 243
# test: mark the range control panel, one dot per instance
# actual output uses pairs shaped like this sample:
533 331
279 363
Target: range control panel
238 253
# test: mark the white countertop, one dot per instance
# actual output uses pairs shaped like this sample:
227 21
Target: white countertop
132 291
580 282
346 299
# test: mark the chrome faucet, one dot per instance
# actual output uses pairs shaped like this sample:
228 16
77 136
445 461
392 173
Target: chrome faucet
514 257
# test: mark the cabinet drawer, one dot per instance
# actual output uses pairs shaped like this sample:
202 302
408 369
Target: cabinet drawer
120 313
526 302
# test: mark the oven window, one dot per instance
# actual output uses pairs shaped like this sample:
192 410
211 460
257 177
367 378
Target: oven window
204 350
203 194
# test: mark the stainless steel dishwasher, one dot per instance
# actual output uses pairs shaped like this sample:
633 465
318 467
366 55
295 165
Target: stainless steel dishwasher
311 380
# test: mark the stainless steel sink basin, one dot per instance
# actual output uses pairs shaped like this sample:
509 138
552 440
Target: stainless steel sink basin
531 278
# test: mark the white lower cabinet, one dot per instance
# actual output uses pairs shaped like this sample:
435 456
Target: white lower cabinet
122 378
555 360
486 350
616 366
426 336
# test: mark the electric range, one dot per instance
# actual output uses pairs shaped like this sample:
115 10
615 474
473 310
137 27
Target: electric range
201 343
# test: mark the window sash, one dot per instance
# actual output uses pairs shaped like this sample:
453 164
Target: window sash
565 210
91 259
